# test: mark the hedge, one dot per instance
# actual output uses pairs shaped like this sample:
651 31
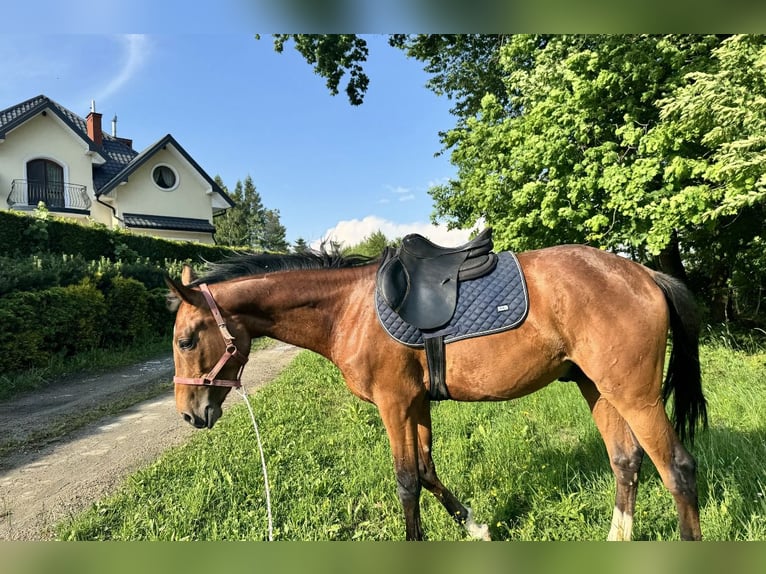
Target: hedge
23 235
67 288
37 325
63 321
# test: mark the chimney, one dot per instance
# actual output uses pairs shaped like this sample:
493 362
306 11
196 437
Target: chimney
126 141
94 124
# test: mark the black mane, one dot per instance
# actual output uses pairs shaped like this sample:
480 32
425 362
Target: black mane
248 264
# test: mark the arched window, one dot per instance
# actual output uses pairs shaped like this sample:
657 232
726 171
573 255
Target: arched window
45 181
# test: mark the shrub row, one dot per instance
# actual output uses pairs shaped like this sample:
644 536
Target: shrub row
63 321
22 235
36 272
67 288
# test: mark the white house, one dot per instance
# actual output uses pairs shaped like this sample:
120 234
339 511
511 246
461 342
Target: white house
50 154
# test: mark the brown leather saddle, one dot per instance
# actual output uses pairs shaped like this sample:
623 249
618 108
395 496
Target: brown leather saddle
419 281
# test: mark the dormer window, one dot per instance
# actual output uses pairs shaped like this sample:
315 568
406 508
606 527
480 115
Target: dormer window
165 177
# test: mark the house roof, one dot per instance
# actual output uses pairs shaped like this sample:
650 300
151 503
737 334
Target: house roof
120 159
13 117
137 161
163 222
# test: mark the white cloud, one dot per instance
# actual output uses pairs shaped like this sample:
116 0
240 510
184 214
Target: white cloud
351 232
136 53
399 190
402 193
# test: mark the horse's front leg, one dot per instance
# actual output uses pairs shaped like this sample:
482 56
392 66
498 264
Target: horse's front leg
401 424
428 477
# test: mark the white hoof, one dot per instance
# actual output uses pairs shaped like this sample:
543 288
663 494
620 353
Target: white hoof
477 531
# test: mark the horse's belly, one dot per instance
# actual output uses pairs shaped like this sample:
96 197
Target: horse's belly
489 369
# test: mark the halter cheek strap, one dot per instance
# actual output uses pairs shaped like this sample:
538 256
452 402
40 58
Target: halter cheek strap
211 380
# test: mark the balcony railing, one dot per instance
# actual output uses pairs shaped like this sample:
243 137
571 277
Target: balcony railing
27 194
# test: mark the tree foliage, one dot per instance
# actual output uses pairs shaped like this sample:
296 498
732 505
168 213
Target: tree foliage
300 245
274 232
372 245
249 224
333 56
463 67
643 144
649 145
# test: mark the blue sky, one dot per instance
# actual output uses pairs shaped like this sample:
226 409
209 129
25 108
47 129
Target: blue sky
240 109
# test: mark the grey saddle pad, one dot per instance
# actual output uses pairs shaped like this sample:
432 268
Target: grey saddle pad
489 304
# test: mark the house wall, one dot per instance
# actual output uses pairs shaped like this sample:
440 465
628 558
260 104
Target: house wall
141 195
46 137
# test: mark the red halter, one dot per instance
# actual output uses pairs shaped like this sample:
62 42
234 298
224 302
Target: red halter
231 352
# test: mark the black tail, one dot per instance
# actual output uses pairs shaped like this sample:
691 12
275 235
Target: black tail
683 379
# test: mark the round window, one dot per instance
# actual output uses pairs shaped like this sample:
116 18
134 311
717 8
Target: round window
164 177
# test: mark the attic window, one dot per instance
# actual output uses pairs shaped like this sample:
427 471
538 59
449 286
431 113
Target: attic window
165 177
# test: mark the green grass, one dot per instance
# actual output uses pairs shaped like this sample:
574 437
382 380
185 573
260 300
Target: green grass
534 468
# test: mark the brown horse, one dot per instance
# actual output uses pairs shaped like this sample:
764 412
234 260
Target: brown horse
594 318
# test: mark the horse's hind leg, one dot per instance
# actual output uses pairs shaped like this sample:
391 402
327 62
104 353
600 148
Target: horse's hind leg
674 464
625 456
428 477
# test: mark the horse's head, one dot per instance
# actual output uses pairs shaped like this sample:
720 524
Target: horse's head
209 350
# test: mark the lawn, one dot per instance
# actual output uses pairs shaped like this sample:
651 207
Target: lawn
533 469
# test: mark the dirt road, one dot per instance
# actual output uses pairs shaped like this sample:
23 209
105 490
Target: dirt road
48 471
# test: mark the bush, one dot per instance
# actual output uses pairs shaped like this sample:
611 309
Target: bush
37 272
21 335
44 233
66 288
55 321
127 301
74 317
160 318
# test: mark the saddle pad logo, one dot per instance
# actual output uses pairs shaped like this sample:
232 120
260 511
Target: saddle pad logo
489 304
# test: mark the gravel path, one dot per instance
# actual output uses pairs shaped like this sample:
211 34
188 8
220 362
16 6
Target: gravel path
49 471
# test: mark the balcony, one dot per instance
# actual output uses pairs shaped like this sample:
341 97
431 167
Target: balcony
57 196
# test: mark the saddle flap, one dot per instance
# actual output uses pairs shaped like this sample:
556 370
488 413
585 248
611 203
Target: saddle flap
393 282
430 306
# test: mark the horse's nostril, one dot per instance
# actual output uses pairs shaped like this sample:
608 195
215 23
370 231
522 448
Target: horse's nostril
193 420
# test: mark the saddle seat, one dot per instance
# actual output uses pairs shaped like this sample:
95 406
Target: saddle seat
419 280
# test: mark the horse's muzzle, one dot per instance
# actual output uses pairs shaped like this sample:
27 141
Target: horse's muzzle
211 415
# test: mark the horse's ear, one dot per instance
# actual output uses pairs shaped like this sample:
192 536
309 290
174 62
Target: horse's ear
181 292
187 275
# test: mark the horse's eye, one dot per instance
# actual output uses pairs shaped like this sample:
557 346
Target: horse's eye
185 344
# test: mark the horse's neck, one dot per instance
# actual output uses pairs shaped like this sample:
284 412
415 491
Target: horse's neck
302 307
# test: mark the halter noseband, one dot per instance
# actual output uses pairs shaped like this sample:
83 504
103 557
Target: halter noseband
231 352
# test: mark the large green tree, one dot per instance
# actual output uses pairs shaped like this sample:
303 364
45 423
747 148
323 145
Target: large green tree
643 144
712 136
273 237
647 145
249 224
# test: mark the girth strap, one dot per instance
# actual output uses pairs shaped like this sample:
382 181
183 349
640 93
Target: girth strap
437 365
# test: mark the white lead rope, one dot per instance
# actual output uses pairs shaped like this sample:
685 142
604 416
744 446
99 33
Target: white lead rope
263 462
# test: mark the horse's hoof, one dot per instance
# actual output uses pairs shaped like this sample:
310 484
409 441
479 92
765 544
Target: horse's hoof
476 531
